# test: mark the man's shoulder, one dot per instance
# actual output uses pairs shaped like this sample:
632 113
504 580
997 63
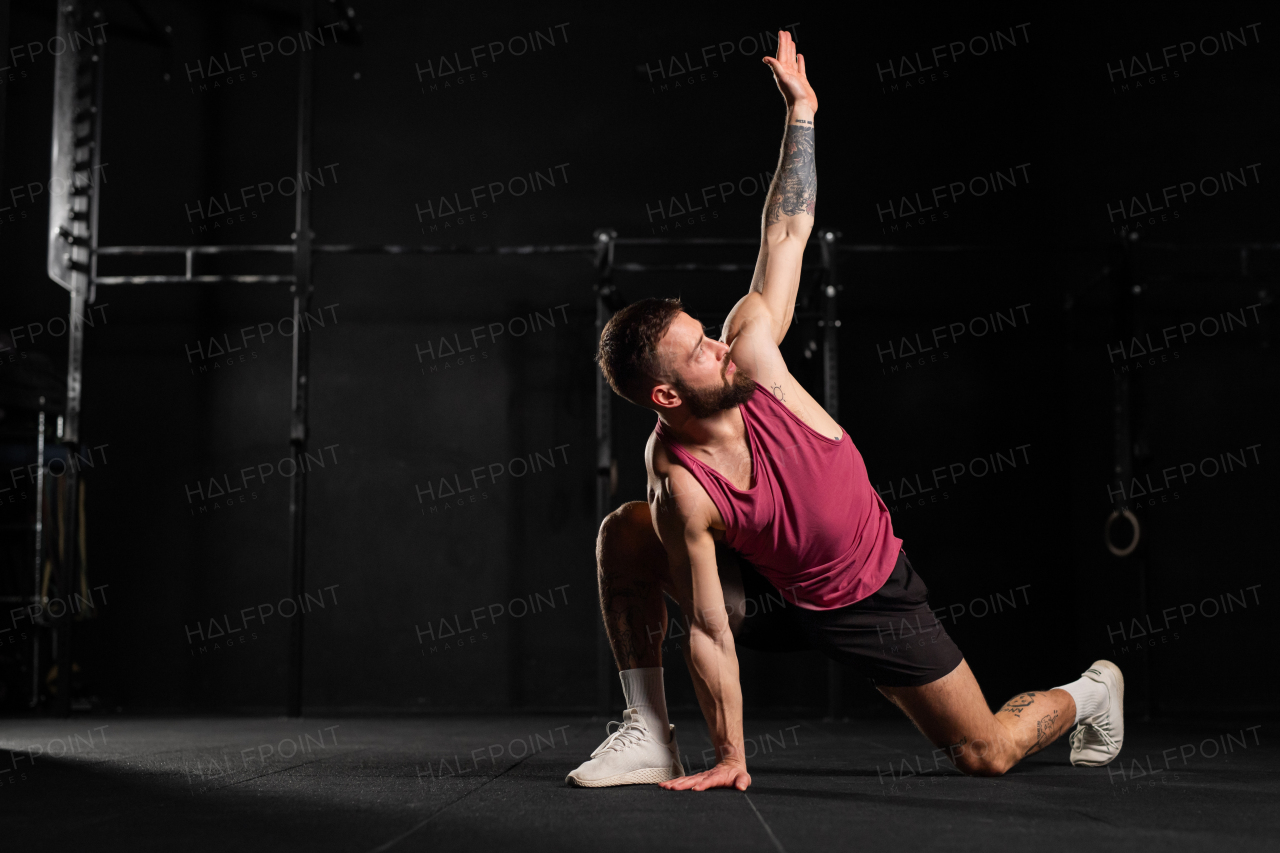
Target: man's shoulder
677 491
661 461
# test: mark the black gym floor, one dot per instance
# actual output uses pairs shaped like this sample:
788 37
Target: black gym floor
497 783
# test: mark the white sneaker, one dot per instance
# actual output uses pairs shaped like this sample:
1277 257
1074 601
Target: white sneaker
1098 738
630 756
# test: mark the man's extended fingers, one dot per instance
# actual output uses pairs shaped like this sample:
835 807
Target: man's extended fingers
786 49
684 783
800 57
680 783
716 777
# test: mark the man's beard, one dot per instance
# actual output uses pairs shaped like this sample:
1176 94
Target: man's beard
705 402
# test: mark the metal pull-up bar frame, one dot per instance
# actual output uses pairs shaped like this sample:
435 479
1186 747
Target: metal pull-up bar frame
73 263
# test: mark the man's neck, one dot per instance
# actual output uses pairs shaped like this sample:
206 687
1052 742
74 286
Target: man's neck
722 428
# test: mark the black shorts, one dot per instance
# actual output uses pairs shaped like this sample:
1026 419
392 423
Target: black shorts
891 637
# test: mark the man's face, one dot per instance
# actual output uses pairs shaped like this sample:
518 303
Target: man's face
701 371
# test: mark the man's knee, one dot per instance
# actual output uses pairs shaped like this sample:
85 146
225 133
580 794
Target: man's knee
627 522
980 758
627 534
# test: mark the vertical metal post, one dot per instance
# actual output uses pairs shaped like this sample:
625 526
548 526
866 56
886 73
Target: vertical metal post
81 240
36 598
301 366
830 402
830 324
605 468
66 575
99 60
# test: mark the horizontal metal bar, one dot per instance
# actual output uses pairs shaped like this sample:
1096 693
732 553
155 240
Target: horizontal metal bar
353 249
691 241
195 279
282 248
634 267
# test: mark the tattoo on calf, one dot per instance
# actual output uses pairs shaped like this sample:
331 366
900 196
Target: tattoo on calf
795 189
1044 728
1020 703
624 604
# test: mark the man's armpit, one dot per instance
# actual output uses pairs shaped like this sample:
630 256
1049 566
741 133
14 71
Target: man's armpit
751 315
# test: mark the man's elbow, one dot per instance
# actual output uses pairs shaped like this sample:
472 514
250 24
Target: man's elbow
711 629
794 230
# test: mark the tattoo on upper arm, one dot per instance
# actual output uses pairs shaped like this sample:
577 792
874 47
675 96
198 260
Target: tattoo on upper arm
795 189
777 392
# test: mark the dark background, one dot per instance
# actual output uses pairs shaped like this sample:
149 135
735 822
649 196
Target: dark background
170 419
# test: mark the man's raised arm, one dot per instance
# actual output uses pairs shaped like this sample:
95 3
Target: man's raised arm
793 195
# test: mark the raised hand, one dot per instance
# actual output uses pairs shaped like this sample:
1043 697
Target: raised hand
788 71
723 775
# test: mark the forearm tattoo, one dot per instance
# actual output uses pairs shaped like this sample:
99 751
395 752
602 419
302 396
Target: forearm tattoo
795 187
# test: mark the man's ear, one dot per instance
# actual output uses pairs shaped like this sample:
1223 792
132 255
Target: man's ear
664 396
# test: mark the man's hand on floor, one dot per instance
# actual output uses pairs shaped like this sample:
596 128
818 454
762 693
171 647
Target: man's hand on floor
723 775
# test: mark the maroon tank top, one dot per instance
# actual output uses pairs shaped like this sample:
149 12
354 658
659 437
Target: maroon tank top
811 523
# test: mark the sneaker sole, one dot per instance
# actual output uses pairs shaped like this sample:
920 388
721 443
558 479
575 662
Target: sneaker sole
1108 666
647 776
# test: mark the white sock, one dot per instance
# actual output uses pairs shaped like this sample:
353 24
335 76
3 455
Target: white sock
643 690
1091 697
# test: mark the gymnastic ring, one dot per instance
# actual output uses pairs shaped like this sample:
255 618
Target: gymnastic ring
1137 532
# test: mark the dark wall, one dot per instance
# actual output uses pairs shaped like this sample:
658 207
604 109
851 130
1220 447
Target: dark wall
628 138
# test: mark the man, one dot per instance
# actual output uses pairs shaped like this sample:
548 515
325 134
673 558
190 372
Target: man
754 489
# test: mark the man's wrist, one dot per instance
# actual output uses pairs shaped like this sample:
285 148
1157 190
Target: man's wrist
731 754
800 110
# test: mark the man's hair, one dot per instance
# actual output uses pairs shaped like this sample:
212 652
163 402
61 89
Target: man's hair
628 354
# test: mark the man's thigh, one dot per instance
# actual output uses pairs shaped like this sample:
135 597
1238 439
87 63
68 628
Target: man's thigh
951 711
